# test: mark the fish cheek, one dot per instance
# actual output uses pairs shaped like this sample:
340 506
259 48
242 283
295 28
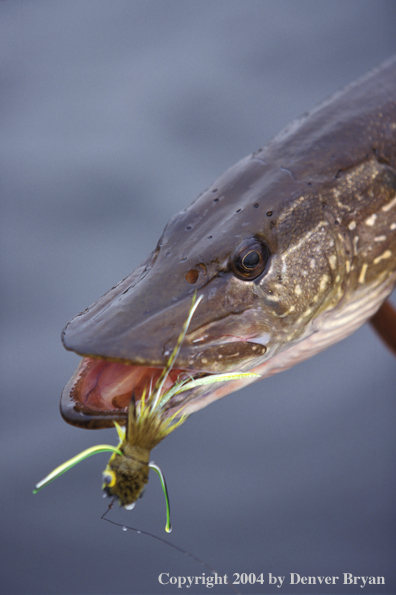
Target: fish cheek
299 281
231 357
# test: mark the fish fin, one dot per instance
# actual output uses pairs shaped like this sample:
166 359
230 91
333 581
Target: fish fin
384 323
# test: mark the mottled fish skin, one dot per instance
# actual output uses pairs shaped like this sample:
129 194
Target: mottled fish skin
321 198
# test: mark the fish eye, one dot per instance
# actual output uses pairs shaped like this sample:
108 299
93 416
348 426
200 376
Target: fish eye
250 260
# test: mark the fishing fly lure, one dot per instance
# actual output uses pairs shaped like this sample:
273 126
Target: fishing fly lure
127 471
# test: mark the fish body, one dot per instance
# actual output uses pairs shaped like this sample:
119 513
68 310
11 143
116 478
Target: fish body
291 249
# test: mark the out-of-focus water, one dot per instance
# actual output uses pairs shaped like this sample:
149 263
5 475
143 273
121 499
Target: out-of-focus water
115 115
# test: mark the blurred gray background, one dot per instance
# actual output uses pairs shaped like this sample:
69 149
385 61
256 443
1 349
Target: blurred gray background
115 115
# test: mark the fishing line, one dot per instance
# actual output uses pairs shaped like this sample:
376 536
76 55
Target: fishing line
166 542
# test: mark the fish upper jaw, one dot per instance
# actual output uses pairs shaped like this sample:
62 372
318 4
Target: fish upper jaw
221 337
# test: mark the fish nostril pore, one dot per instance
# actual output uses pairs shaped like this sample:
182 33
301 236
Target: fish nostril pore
191 276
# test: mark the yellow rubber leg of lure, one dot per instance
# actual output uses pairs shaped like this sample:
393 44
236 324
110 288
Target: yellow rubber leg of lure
384 322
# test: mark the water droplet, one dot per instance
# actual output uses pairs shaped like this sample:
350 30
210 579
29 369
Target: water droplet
188 228
210 237
130 506
104 495
256 206
269 213
124 528
138 531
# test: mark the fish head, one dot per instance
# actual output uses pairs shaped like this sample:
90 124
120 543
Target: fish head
261 251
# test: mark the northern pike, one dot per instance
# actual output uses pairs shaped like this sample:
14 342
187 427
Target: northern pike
291 250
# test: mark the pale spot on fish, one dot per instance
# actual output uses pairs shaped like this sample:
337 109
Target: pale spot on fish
362 275
323 282
289 311
352 225
347 266
371 220
301 318
273 298
390 205
384 256
304 315
312 263
333 261
380 239
337 279
355 243
297 290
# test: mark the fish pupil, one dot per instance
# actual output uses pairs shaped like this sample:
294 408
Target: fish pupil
251 259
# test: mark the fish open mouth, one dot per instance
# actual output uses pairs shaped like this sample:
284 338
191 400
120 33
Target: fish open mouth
99 392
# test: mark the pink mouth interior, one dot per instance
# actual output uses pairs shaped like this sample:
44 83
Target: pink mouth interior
100 385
